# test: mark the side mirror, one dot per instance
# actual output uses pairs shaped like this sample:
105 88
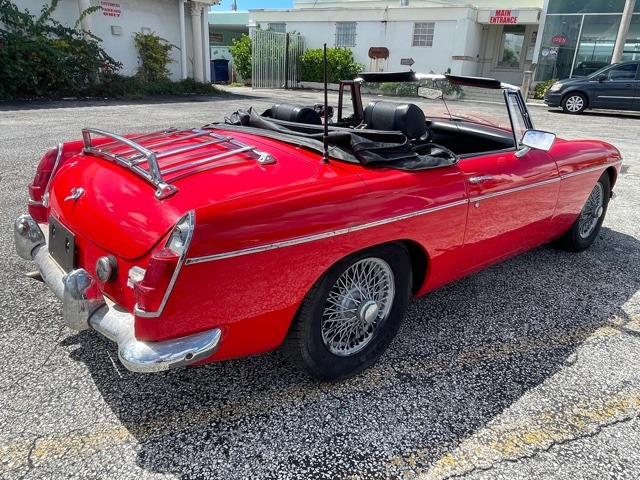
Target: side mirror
602 77
536 139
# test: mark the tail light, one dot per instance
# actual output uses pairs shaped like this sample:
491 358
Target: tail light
152 287
47 167
44 172
150 292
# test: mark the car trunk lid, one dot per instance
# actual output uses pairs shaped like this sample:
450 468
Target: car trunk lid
126 194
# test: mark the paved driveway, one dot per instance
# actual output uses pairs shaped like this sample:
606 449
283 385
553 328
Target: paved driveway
526 370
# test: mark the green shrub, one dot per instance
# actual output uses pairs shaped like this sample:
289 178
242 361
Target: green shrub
39 57
120 86
541 88
154 53
340 65
241 53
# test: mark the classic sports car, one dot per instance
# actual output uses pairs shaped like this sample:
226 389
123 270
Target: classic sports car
199 245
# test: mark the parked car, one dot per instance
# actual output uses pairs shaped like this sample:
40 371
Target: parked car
199 245
615 86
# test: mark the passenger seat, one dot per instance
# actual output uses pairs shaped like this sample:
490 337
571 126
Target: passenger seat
390 116
295 113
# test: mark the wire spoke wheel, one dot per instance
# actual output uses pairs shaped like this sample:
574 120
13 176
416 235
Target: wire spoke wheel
592 211
351 313
586 227
357 305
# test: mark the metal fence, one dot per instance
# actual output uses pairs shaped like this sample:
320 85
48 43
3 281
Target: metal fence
275 59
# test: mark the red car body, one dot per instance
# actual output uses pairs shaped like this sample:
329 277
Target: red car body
267 223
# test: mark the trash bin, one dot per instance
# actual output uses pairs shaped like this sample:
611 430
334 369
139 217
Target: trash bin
220 70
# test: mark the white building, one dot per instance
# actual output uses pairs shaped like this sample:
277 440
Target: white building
491 38
182 23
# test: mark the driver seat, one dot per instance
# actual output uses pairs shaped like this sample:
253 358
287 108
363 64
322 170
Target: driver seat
390 116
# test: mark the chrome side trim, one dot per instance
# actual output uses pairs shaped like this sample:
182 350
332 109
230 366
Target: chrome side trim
141 313
544 182
514 190
344 231
320 236
591 169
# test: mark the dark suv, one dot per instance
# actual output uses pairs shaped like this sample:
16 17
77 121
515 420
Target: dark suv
615 86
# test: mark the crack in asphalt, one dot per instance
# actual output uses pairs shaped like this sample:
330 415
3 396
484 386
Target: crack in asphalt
39 366
569 440
509 443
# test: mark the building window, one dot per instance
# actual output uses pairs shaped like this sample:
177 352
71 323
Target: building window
632 43
423 34
346 34
279 27
511 44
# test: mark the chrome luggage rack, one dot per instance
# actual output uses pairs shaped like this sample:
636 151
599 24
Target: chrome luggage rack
136 157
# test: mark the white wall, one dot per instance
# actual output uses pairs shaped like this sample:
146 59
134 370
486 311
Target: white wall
160 16
464 41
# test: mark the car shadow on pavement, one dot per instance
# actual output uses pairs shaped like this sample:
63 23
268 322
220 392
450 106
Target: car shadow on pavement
466 353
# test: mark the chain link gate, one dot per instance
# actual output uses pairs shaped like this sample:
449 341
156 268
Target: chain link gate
275 61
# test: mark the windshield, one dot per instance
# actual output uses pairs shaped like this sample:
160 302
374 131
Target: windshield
442 100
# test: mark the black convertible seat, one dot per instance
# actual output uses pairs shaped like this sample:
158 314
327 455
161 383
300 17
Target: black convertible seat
404 117
295 113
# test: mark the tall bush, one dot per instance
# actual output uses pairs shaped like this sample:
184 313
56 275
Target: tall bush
340 65
40 57
241 52
154 55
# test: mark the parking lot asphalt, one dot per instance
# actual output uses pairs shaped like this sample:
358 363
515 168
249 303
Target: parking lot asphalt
527 370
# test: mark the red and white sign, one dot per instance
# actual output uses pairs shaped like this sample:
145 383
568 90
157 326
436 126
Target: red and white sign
110 9
504 16
559 40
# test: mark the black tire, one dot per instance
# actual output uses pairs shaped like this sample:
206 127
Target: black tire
574 103
585 229
342 328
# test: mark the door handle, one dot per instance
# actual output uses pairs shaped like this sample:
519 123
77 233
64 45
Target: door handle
480 179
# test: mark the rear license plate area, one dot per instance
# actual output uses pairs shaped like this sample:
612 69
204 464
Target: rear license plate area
62 245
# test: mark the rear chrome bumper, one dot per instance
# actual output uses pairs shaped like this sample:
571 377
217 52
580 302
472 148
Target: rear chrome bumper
84 306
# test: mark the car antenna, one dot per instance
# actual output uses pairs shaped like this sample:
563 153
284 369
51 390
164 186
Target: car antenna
325 110
445 102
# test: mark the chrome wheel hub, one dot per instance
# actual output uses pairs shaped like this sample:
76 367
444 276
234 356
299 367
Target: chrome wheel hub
592 211
357 305
368 312
575 104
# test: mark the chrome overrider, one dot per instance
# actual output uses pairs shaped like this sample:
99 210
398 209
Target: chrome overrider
84 306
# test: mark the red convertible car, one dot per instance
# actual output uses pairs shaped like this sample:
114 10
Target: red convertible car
187 246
